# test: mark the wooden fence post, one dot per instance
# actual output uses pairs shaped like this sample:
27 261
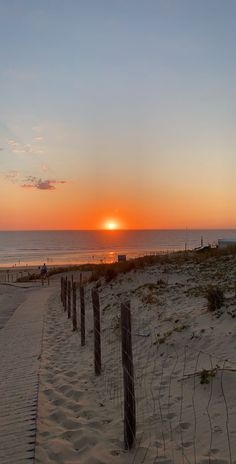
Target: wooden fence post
65 294
69 299
74 318
82 315
97 331
128 377
62 289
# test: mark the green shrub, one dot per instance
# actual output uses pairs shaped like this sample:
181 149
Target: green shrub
215 298
207 374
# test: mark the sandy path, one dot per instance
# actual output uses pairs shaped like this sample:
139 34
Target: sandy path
20 348
11 296
74 421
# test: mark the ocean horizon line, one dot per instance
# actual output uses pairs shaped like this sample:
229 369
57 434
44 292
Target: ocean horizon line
121 230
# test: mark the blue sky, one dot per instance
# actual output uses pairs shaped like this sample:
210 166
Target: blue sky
143 91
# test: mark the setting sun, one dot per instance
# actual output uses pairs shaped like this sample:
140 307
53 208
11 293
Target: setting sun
111 226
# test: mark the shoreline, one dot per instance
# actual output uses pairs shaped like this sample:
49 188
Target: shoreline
65 264
90 265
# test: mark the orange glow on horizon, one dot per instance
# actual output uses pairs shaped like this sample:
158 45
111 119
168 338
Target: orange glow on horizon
67 208
111 225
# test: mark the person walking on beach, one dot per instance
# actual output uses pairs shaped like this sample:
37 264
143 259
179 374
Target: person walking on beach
44 273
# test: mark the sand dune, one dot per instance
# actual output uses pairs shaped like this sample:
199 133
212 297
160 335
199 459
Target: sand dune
177 343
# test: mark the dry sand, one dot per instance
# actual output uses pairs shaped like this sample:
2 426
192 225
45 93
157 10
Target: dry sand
175 337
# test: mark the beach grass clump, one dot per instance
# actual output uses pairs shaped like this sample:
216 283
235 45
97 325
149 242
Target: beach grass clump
215 298
149 299
207 374
110 274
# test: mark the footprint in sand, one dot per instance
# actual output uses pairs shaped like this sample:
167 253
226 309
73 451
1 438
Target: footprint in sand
86 441
214 451
57 402
64 388
71 435
58 416
171 415
49 393
184 425
73 394
187 444
71 424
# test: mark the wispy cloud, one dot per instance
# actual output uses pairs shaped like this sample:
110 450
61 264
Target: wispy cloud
31 182
26 148
37 183
12 176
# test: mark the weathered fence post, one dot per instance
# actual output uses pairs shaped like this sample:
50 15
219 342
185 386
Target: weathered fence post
65 295
128 377
69 299
62 289
82 315
97 331
74 318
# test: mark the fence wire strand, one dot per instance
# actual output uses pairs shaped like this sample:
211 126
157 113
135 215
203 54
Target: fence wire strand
181 393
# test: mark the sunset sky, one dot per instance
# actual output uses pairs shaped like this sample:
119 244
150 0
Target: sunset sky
117 112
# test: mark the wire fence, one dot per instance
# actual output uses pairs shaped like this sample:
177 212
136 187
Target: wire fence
182 408
14 275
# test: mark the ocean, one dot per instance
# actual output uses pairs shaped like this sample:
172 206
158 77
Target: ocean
20 248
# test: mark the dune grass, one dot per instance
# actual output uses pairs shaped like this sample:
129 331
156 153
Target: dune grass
111 270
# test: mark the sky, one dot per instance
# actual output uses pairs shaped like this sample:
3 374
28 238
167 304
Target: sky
117 112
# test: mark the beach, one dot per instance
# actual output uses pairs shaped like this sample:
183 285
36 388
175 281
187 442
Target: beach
184 366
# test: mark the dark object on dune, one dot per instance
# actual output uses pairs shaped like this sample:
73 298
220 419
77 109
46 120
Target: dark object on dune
203 248
215 298
121 258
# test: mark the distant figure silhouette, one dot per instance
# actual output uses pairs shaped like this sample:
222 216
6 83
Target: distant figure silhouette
44 274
